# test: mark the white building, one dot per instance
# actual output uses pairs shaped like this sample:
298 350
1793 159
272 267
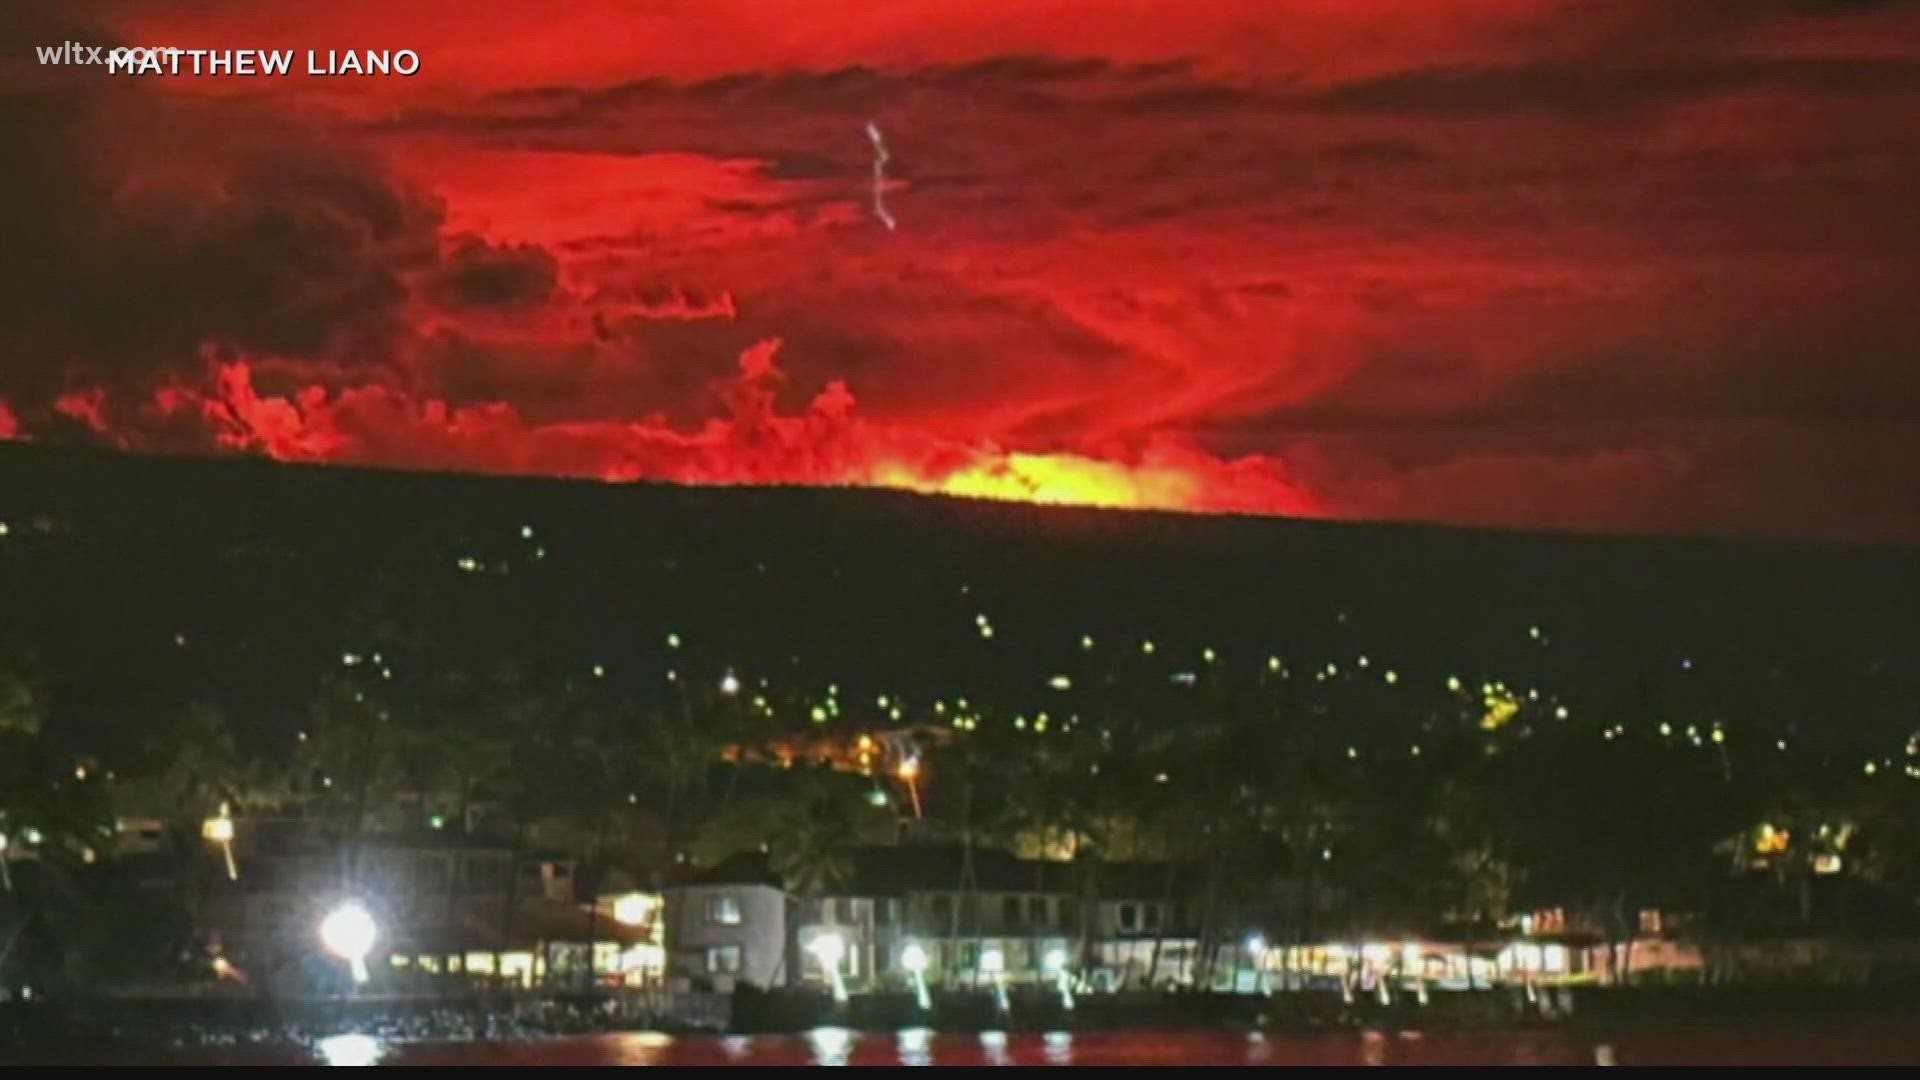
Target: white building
727 928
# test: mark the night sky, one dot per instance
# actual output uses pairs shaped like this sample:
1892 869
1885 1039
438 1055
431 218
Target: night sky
1633 265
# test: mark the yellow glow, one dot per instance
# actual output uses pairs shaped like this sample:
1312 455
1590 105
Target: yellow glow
1501 708
1060 478
909 769
632 909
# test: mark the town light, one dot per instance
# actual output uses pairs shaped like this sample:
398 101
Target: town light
914 959
909 773
830 948
993 964
632 909
1055 964
729 684
220 831
349 933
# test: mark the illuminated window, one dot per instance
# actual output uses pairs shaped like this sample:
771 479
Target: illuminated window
723 960
724 911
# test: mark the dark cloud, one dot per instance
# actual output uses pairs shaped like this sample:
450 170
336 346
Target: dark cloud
479 274
1484 90
142 230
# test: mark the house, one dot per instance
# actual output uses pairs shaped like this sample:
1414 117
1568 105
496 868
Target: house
953 917
446 906
727 927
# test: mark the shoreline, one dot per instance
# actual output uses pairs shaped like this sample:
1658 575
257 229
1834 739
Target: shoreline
171 1025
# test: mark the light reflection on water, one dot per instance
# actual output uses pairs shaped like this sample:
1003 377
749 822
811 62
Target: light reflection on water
1859 1042
350 1050
916 1046
1059 1048
831 1045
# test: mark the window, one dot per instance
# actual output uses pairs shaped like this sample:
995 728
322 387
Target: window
724 911
723 960
883 912
942 910
1129 917
1037 911
1153 916
1010 911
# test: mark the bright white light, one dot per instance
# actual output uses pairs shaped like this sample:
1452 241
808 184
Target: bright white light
218 829
632 909
993 961
349 933
729 684
913 958
1256 943
828 948
350 1050
830 1045
1056 961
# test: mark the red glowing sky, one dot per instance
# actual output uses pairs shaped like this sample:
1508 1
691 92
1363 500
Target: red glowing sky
1625 265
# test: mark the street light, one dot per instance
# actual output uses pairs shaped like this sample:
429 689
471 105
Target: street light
909 773
349 933
729 684
993 964
914 959
220 831
830 948
1055 964
632 909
